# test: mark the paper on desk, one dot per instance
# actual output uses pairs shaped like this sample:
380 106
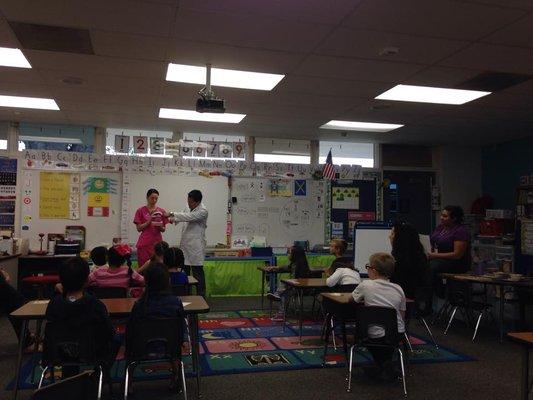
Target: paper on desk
186 303
40 302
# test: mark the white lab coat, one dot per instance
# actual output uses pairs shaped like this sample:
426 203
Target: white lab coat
193 234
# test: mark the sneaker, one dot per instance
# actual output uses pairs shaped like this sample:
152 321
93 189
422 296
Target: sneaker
273 297
279 317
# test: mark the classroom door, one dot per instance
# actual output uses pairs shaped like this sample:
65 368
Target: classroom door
408 198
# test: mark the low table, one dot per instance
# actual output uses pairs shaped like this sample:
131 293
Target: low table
526 340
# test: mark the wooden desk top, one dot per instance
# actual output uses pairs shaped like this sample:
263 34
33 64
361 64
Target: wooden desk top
522 337
340 298
306 283
525 282
273 270
344 298
115 307
9 257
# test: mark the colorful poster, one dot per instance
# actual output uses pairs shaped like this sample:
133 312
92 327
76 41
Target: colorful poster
54 195
337 230
346 198
98 191
361 216
280 188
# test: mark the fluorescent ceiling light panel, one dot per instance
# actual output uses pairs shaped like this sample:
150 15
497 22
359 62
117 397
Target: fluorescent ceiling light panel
190 115
360 126
13 58
428 94
28 102
223 77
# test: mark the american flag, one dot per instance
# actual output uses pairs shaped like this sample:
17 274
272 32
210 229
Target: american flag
329 170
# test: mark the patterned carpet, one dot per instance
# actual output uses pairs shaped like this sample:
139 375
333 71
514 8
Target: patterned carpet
249 341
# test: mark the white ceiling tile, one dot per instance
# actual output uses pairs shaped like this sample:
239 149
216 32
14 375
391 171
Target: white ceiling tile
257 32
20 75
518 4
116 15
318 11
358 43
7 38
493 58
439 18
190 52
518 34
125 45
113 108
331 87
74 64
347 68
442 76
25 90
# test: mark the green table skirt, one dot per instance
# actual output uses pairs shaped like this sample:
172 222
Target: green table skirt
242 278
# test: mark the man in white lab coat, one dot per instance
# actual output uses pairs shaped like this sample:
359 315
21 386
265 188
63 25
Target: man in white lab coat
193 236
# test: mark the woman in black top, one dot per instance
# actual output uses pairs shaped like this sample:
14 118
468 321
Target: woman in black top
411 269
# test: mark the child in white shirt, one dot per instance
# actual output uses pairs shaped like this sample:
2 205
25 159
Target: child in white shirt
341 271
379 291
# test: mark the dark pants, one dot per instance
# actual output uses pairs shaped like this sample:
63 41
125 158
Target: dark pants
438 266
10 300
198 273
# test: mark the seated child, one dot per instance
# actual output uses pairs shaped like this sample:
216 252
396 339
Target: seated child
174 261
77 308
299 269
99 257
156 301
341 271
379 291
159 251
118 274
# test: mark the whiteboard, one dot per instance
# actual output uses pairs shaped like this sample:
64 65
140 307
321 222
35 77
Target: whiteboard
370 241
281 220
99 230
173 191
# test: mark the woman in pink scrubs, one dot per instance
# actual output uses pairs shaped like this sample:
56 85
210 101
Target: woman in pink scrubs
150 221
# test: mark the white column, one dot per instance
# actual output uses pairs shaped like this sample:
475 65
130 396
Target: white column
13 138
314 151
250 148
100 138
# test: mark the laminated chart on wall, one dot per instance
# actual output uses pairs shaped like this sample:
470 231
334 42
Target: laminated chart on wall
59 195
280 188
346 198
98 191
281 219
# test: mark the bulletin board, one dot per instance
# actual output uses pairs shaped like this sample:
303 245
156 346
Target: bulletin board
281 210
173 190
100 229
351 201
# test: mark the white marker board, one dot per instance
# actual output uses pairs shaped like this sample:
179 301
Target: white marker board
281 220
375 240
99 230
173 191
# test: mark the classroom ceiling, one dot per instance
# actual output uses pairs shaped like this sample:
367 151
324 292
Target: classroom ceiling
330 51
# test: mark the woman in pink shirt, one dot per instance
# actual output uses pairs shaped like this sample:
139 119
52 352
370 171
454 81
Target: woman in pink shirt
118 274
150 221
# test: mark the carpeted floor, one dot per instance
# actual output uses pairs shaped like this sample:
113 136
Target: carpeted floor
494 373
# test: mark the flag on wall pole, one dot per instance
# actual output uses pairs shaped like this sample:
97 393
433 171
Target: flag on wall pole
329 169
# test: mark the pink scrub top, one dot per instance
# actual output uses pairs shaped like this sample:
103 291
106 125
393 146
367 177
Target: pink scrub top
151 234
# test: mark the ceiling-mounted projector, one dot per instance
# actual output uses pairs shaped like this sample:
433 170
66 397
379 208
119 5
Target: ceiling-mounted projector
208 101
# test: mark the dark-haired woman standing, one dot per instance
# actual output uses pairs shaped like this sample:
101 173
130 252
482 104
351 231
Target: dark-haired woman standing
150 221
411 270
450 246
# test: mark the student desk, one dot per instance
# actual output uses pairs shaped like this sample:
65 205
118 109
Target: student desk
301 286
273 277
526 340
33 264
117 308
486 280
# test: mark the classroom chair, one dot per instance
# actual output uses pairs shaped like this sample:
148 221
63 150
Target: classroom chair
68 346
419 310
384 317
151 340
77 387
459 296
